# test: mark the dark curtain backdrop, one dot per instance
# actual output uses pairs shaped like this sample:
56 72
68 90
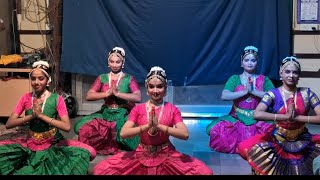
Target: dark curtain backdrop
197 42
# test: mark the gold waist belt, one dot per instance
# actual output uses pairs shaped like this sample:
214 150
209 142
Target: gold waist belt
290 135
43 135
152 149
244 112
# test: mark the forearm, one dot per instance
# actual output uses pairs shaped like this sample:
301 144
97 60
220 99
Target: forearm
175 132
94 96
56 123
258 93
230 96
18 121
133 97
266 116
128 132
308 119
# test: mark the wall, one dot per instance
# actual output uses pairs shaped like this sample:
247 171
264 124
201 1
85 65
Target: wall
306 46
6 10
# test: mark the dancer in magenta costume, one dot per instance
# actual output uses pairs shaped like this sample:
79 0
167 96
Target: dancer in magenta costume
44 150
120 92
154 121
246 91
287 148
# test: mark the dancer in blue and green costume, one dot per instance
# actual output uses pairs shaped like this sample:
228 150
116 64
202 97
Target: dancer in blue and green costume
246 91
44 150
120 91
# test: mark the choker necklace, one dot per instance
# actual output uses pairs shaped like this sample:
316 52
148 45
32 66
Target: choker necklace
115 74
156 104
41 96
287 91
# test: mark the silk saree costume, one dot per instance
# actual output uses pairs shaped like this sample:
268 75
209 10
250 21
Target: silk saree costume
101 129
287 148
44 150
227 131
155 155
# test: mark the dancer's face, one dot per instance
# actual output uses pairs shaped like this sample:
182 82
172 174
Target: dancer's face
156 89
249 63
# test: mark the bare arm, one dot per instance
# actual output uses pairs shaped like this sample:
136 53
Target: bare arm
94 96
310 119
180 130
261 113
230 96
129 130
63 123
258 93
14 120
133 97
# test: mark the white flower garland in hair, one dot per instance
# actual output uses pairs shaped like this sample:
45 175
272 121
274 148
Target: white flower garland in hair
42 63
157 68
251 48
120 49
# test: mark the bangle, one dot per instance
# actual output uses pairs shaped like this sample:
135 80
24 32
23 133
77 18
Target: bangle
50 121
308 119
275 117
118 94
140 129
167 130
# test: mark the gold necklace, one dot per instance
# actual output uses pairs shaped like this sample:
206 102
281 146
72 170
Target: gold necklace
292 95
287 91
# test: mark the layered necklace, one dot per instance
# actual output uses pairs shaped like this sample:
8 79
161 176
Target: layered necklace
120 75
148 109
292 95
43 95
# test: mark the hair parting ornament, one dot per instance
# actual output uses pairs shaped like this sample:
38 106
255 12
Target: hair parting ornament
157 72
290 60
250 50
42 66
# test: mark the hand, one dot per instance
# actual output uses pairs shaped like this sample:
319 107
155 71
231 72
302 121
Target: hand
249 87
108 92
114 90
155 121
291 112
36 110
150 120
153 116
